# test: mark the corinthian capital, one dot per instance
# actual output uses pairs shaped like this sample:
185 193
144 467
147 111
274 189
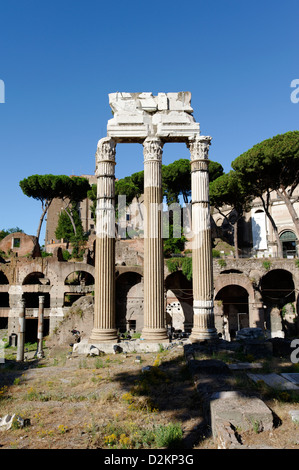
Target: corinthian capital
152 149
199 147
106 150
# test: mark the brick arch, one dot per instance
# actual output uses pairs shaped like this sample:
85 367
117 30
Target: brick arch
224 280
90 278
65 269
30 268
36 275
120 270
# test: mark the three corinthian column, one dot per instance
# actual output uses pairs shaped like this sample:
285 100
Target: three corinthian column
154 312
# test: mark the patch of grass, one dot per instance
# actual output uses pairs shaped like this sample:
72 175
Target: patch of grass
169 436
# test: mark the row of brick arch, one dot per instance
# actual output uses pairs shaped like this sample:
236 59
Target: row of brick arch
84 274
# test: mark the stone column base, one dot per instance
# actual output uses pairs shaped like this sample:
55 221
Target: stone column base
199 334
102 335
154 334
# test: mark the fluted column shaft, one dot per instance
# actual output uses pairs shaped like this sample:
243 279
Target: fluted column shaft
154 312
104 309
40 326
202 265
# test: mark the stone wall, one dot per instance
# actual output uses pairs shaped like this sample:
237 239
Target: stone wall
30 278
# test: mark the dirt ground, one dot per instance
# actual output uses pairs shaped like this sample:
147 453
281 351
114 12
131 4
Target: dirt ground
112 402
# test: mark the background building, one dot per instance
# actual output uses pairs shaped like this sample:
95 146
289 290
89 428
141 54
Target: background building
85 212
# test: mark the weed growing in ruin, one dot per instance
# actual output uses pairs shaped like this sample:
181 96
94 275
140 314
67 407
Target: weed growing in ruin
132 436
62 429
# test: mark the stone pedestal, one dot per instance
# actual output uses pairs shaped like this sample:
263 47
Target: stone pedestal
202 267
154 313
104 311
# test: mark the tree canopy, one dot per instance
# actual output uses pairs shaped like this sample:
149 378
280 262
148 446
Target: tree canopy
272 165
45 188
228 190
4 232
176 181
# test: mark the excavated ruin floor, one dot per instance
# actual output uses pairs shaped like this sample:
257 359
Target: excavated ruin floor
113 401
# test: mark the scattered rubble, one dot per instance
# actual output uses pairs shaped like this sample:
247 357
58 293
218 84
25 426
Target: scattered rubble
7 421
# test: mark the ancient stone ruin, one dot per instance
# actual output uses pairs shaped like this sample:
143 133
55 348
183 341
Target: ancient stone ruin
152 121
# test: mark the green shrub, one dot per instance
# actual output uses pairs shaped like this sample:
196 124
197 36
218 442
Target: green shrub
216 253
66 255
45 254
267 265
174 264
187 268
222 263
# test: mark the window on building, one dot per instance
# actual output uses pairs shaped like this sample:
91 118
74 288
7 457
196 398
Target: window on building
16 243
288 240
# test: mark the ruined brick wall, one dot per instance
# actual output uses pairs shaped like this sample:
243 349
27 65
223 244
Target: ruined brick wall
246 273
21 244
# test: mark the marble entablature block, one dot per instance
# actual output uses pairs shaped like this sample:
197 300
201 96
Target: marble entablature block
140 115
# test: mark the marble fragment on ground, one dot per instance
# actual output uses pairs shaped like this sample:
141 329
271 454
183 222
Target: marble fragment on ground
274 381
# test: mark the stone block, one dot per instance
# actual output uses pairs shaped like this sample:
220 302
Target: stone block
258 349
243 413
250 334
245 365
294 415
138 115
292 377
226 436
281 347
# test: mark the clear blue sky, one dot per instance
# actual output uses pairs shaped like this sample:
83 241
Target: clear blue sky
60 59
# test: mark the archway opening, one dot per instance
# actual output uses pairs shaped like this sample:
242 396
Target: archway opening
4 299
277 287
31 329
79 284
33 278
278 294
32 299
3 323
78 278
179 302
3 278
234 299
129 302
